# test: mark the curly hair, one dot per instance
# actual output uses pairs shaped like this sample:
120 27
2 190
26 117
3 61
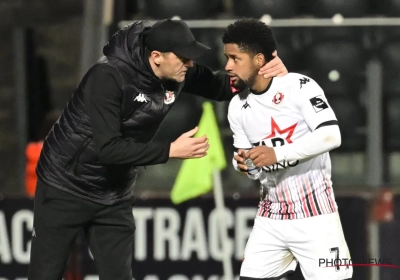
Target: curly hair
252 36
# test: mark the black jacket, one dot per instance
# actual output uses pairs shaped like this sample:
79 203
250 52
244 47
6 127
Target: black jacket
107 127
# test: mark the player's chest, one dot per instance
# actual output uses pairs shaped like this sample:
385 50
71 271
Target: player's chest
271 122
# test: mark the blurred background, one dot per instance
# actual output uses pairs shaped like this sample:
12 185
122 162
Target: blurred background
350 47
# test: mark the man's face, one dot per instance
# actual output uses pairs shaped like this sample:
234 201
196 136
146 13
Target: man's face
173 67
242 68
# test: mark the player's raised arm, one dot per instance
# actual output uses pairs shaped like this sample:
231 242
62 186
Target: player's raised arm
202 81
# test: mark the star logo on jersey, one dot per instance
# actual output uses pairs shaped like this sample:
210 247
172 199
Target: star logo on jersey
276 130
278 98
246 105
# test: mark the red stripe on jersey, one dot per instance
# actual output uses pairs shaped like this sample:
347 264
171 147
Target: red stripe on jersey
264 208
317 195
261 208
282 203
268 208
303 198
299 199
329 193
310 196
277 206
324 198
289 200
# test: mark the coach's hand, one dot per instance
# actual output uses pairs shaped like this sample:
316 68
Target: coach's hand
187 146
274 68
240 157
262 156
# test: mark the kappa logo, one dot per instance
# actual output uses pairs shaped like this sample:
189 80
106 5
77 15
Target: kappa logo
140 98
169 97
278 98
246 105
303 81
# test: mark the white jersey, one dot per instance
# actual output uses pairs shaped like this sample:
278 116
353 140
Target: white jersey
292 107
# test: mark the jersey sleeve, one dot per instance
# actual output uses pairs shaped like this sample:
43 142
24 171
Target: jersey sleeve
310 99
240 140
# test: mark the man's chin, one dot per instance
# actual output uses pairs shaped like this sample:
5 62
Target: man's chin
239 84
176 79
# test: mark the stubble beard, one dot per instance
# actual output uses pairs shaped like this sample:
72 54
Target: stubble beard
250 81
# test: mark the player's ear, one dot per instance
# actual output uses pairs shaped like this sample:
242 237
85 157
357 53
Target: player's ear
260 60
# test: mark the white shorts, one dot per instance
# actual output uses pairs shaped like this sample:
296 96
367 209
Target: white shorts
275 246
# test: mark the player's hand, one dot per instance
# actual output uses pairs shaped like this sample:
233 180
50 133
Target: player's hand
187 146
274 68
240 157
262 156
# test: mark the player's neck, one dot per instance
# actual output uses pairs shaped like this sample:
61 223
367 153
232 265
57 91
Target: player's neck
261 84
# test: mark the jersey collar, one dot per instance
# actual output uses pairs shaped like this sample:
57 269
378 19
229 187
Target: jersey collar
263 91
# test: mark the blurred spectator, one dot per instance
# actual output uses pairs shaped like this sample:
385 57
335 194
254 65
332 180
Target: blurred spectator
33 150
32 153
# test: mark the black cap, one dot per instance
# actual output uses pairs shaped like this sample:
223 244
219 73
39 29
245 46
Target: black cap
174 36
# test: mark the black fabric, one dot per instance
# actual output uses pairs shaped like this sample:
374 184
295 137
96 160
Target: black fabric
103 102
58 217
174 36
106 130
327 123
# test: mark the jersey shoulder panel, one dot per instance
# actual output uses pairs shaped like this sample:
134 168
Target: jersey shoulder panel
296 83
295 80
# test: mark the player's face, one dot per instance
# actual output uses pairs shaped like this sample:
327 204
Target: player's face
173 67
241 67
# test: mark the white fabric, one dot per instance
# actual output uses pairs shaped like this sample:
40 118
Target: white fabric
274 248
288 114
322 140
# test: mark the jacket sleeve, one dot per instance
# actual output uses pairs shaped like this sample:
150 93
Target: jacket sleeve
102 98
202 81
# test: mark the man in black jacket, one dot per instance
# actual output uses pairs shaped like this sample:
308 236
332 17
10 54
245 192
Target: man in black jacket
89 160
